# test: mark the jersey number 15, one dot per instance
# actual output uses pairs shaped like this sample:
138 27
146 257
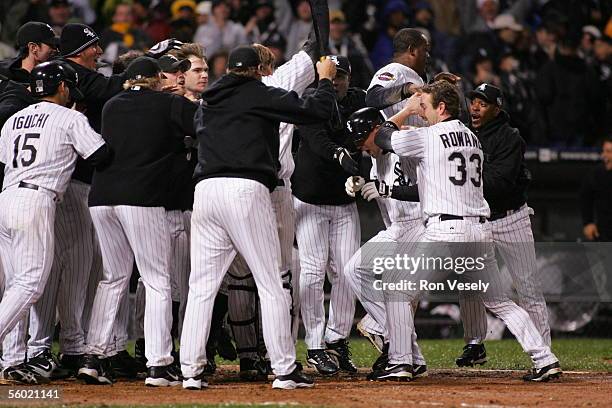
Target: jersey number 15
462 170
26 146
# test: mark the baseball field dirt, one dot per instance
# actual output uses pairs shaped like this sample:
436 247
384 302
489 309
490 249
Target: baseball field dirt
460 388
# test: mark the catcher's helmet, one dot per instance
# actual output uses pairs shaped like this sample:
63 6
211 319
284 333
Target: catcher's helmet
46 77
361 123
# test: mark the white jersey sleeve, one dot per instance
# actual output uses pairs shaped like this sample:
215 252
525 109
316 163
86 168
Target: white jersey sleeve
3 147
82 137
409 143
294 75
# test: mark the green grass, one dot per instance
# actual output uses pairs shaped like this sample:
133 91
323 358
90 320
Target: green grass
575 354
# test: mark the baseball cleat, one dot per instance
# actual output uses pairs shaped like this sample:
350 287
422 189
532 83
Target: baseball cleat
545 373
320 360
376 339
46 365
124 365
296 379
164 376
95 370
419 371
392 372
195 383
71 362
22 374
472 354
340 352
225 347
139 354
382 360
253 370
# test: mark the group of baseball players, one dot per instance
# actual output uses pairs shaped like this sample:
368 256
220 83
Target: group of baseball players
194 188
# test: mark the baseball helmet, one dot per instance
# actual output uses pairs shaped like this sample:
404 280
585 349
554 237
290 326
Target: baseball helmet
362 122
46 77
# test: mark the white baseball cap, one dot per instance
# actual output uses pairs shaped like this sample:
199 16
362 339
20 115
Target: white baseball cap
204 8
506 21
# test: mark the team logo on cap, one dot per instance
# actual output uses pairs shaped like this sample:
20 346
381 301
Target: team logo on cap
50 28
238 64
88 32
482 87
335 59
386 76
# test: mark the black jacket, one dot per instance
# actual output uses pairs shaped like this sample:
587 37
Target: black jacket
596 201
145 131
318 177
11 68
505 174
96 89
237 126
13 98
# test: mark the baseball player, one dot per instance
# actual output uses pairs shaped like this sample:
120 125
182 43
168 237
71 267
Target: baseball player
394 180
37 43
327 229
505 184
130 221
244 310
237 130
196 77
450 162
38 148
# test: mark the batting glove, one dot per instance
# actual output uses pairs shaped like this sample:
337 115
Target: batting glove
375 189
163 47
346 161
353 184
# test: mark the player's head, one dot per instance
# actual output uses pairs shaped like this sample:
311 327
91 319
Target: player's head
244 61
79 42
343 75
439 101
55 80
411 48
123 60
196 77
37 41
173 73
362 126
486 103
606 152
267 58
143 72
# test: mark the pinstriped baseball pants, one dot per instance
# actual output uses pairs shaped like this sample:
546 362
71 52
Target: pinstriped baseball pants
128 233
233 215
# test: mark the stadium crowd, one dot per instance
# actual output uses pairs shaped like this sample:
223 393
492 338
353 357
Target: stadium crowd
552 58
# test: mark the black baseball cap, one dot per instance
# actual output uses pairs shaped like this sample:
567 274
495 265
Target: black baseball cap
36 32
142 67
342 63
243 56
55 3
488 93
169 63
75 38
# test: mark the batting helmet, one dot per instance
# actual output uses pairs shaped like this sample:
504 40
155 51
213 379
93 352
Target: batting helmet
362 122
46 77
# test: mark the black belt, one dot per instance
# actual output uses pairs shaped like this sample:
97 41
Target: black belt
502 214
449 217
23 184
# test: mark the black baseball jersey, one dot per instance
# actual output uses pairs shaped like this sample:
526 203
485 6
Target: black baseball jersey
145 130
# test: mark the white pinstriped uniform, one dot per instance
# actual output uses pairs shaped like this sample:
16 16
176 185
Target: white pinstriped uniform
404 224
513 240
295 75
235 215
39 146
450 182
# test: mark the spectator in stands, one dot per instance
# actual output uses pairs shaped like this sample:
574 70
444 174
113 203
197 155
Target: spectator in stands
159 28
299 29
183 20
218 65
602 52
478 15
395 17
596 198
220 32
570 93
203 10
590 33
122 36
60 14
262 24
342 42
